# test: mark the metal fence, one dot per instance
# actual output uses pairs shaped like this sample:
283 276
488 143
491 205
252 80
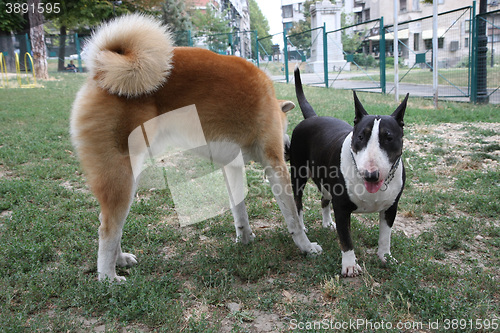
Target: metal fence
271 58
359 56
359 64
486 83
415 52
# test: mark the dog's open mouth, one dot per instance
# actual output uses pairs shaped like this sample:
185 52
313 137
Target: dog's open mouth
373 187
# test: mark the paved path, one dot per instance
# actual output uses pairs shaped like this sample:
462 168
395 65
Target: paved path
343 81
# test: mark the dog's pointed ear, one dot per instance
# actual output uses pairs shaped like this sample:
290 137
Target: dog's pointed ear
286 105
359 110
400 111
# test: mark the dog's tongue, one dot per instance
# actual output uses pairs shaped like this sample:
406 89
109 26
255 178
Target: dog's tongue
373 187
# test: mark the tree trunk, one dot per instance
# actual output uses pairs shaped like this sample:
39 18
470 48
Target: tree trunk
37 41
7 47
62 48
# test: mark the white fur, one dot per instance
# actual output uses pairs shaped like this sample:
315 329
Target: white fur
125 63
384 238
372 158
365 201
282 190
327 218
349 266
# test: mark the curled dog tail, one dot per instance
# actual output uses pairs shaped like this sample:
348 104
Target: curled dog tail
130 55
307 110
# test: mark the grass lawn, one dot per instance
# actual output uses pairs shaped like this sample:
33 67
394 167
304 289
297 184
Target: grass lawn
196 279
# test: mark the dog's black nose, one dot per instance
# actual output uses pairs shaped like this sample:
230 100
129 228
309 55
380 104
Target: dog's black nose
371 176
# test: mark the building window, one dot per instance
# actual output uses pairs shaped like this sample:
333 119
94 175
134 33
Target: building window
466 41
367 14
402 6
287 11
428 43
416 42
467 25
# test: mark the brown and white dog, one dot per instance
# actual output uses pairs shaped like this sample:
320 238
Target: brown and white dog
135 75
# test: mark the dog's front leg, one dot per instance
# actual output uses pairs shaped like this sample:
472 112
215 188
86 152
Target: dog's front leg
279 178
350 267
385 228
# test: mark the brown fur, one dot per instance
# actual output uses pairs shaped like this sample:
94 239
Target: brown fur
235 102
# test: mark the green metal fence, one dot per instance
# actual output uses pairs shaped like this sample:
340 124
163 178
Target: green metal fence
359 63
485 87
270 57
364 56
305 50
357 57
415 54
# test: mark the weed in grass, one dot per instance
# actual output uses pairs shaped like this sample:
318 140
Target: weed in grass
332 287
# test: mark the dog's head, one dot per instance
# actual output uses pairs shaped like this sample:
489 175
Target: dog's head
377 144
285 107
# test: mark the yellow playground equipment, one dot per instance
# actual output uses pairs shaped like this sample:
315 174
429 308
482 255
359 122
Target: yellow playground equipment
18 71
3 71
30 82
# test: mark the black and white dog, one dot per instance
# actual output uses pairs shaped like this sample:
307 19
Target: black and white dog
358 170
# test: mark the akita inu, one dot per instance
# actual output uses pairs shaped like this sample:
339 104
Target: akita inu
135 75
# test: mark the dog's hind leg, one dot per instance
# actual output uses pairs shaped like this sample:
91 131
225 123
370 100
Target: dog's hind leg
327 214
235 187
299 181
279 179
113 185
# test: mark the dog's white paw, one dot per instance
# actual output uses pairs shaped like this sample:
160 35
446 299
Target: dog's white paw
126 259
305 245
351 271
245 238
327 219
329 225
386 257
315 249
349 266
119 279
111 278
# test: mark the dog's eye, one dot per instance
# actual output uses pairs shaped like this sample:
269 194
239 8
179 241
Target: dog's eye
361 137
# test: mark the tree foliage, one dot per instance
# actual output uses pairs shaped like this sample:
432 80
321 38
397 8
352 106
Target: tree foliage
351 40
259 23
10 21
213 27
174 14
301 38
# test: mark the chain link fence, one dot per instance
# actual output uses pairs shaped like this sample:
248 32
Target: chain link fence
359 56
415 55
271 57
358 63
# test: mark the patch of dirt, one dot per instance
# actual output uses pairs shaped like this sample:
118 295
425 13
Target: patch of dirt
411 226
5 173
454 145
476 256
74 187
253 321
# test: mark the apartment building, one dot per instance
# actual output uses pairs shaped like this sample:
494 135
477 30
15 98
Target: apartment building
453 29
